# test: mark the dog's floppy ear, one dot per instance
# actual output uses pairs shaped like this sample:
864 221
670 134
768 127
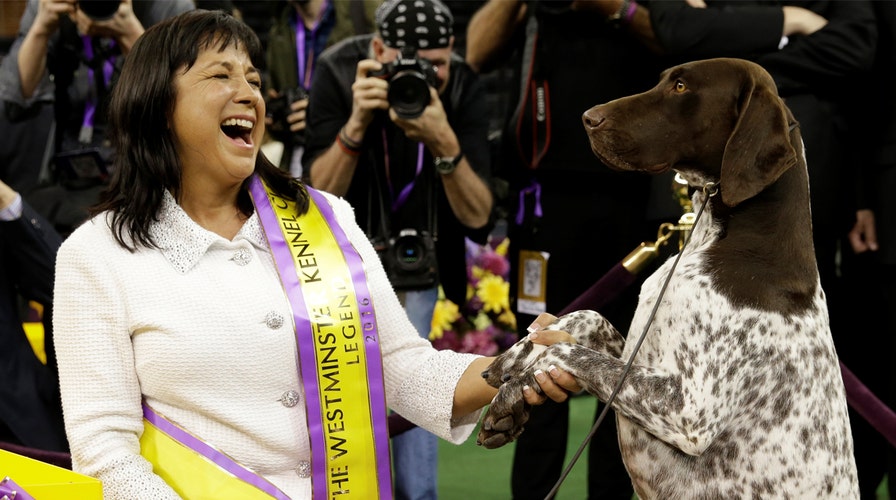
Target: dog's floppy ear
759 149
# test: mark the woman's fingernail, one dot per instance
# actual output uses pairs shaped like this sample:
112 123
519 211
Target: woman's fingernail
527 390
533 327
553 371
532 336
539 376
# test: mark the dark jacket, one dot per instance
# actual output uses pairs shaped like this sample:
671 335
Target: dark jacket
29 391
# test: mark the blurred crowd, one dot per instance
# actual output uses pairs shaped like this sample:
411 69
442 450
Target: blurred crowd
482 147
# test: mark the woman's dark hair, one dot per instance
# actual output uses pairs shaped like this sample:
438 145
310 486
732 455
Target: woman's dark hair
146 162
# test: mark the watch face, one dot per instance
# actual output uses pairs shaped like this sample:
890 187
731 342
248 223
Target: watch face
446 165
443 165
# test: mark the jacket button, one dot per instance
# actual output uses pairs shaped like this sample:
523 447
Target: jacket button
273 320
241 257
304 469
289 399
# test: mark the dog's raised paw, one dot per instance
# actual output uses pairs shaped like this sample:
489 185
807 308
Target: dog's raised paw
496 435
492 441
503 420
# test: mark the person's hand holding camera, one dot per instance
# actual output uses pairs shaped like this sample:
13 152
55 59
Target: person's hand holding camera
285 116
369 93
122 25
431 128
48 13
33 52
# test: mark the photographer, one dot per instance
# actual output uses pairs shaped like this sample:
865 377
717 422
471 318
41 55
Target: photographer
295 42
54 85
402 135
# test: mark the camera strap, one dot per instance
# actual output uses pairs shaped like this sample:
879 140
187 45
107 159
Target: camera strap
100 67
532 117
383 184
398 201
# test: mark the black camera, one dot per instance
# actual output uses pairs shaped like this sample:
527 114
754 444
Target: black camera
279 109
409 260
409 81
99 10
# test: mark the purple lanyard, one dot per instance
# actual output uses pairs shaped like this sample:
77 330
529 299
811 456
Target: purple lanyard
535 189
91 102
405 191
306 68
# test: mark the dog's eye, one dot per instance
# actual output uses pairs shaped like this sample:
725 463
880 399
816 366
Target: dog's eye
680 86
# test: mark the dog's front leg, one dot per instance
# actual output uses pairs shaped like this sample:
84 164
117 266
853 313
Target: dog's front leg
508 412
588 328
646 396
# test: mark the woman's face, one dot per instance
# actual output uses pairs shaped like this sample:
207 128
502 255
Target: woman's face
218 118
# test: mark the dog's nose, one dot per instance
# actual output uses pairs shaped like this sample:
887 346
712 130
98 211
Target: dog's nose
592 118
484 374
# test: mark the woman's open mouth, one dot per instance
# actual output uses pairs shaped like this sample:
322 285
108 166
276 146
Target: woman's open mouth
239 130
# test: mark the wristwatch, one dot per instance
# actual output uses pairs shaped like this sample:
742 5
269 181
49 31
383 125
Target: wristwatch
446 165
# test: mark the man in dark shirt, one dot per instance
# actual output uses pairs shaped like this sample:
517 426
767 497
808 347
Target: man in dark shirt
413 164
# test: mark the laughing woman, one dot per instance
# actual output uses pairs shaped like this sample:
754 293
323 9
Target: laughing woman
222 330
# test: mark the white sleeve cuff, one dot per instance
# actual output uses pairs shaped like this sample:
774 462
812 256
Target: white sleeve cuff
13 211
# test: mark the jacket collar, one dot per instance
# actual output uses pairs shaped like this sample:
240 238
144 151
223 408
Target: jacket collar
183 242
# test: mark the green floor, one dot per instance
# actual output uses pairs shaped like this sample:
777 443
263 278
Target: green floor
471 472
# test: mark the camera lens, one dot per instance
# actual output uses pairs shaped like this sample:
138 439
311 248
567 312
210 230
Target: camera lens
408 94
99 9
409 251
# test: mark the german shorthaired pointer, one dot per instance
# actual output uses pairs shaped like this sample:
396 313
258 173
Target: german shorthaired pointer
736 390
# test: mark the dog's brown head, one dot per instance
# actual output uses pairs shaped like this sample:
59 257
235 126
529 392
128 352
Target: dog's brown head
717 120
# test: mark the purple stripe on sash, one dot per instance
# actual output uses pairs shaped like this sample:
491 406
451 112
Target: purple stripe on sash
371 344
9 489
307 362
215 456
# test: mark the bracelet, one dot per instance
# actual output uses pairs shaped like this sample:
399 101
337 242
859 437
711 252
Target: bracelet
348 146
625 14
348 141
345 147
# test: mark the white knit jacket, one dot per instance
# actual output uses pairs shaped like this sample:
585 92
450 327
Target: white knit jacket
192 327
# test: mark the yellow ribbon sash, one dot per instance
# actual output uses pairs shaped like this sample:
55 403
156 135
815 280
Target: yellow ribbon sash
194 469
339 354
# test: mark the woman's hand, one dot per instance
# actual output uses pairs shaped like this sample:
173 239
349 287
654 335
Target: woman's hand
556 384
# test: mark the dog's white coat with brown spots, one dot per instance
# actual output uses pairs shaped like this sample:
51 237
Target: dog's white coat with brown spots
736 391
